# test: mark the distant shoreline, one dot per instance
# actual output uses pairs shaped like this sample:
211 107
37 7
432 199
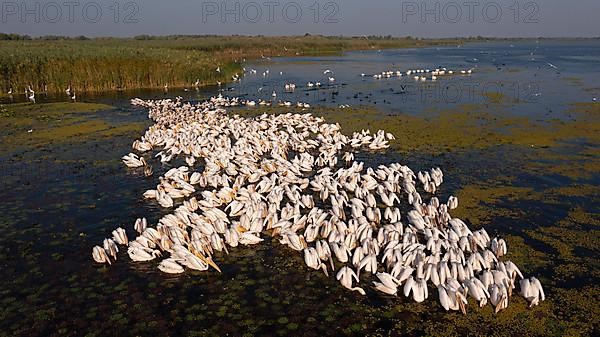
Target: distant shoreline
16 36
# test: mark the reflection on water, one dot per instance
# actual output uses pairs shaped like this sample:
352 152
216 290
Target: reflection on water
60 199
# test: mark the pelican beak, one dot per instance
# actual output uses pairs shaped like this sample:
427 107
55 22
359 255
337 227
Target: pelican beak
499 304
214 265
462 307
208 261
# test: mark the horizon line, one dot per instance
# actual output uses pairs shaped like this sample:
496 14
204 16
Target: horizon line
382 36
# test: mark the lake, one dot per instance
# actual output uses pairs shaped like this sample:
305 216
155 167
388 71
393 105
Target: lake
517 140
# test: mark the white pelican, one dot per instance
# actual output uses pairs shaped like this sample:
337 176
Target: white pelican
498 247
140 225
345 276
141 254
452 298
100 255
133 160
532 290
249 238
170 266
110 247
498 296
312 260
387 283
418 288
120 237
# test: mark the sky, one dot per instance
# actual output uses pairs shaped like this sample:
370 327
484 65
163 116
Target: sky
428 18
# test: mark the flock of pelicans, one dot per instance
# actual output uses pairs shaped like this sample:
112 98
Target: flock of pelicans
418 74
294 177
421 74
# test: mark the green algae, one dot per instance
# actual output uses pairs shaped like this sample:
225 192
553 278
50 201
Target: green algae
578 310
578 163
573 243
48 111
444 131
495 97
575 190
468 127
34 125
478 203
526 257
581 216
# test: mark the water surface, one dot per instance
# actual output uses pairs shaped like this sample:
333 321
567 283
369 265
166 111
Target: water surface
64 195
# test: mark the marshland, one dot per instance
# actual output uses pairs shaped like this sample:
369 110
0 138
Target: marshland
518 148
104 64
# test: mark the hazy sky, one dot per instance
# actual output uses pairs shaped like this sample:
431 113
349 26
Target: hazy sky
428 18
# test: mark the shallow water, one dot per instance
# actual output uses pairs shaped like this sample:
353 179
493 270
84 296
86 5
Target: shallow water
63 197
535 77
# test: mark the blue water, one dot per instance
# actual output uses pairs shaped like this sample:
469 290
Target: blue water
537 78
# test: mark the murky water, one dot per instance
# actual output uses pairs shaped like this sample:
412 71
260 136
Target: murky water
61 198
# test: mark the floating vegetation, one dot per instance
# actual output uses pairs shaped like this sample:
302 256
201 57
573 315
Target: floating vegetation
470 126
28 125
477 201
